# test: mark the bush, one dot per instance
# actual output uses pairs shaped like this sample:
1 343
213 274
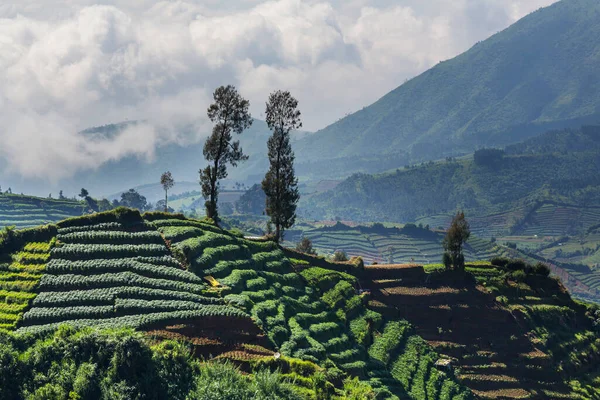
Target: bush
499 261
517 265
447 260
305 246
358 262
340 256
541 269
518 276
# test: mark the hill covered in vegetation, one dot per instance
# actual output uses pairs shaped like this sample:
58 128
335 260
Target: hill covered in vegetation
157 284
536 75
511 190
24 211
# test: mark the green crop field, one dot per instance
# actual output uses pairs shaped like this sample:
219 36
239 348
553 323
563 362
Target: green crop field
240 301
120 270
28 211
391 245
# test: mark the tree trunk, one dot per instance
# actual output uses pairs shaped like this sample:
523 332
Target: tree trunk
166 201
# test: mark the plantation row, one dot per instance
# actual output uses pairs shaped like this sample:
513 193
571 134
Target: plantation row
155 267
122 307
144 321
27 211
394 247
18 281
81 251
135 284
111 237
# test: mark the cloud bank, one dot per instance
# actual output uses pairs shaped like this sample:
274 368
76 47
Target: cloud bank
66 66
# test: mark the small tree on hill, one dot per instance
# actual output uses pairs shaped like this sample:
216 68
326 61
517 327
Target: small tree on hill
230 114
84 193
167 182
305 246
280 184
340 256
456 236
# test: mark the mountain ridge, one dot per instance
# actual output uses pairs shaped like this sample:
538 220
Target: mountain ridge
490 95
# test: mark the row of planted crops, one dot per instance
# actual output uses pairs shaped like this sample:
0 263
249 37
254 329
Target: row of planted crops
27 211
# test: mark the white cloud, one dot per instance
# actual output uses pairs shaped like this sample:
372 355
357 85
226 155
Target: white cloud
65 66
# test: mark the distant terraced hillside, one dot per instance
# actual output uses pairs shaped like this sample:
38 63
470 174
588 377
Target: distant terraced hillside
391 245
28 211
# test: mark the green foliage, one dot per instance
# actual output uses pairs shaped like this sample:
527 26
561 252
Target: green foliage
280 183
229 113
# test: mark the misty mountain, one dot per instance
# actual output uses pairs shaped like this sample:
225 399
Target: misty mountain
540 73
183 160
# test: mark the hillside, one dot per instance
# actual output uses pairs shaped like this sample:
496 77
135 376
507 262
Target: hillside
536 75
27 211
388 245
501 189
120 270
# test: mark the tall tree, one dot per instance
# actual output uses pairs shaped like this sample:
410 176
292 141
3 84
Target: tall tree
280 183
167 182
456 236
229 113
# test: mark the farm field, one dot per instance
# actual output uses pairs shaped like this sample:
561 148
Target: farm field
244 301
121 270
28 211
500 337
391 245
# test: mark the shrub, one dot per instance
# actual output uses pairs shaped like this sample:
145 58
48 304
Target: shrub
499 261
340 256
447 260
518 275
517 265
358 262
541 269
305 246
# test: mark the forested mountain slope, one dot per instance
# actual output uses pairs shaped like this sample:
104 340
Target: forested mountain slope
536 75
559 166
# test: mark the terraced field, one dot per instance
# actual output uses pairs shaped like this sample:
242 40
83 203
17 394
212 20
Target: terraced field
508 349
392 245
118 269
308 312
558 220
28 211
118 275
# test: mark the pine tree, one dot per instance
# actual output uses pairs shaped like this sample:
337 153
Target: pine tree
280 183
229 113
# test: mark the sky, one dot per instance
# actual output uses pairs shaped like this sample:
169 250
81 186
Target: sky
69 65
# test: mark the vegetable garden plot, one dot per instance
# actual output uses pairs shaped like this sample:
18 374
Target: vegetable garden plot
18 281
113 284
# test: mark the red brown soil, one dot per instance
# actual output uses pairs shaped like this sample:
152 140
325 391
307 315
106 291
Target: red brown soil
213 337
491 347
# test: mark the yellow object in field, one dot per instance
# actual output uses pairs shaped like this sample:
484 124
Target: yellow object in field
212 281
